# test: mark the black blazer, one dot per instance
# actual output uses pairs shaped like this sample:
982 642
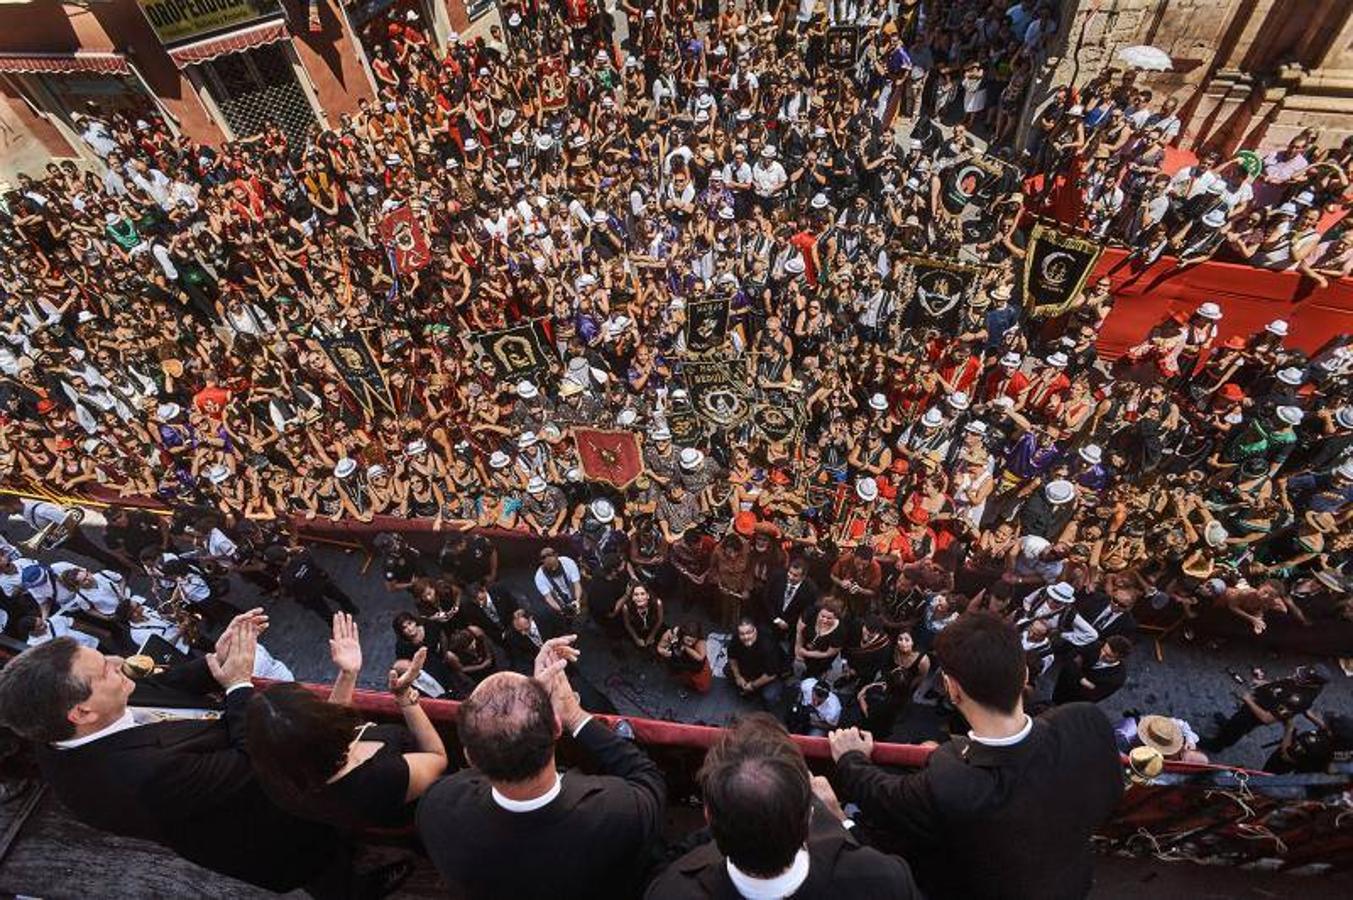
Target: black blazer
999 822
1106 682
521 653
1092 605
839 868
773 595
188 785
505 605
591 841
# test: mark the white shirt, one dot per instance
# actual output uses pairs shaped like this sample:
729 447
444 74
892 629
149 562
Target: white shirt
102 598
1028 563
570 574
98 137
829 711
38 513
1010 741
61 626
126 721
147 716
768 179
11 583
735 173
1241 196
782 885
1038 606
195 587
221 547
535 803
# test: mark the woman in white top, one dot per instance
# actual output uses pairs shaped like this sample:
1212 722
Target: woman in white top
971 488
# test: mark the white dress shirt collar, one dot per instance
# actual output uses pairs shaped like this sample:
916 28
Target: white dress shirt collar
522 806
121 724
782 885
1010 741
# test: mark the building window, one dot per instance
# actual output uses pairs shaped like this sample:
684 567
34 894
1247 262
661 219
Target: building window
256 86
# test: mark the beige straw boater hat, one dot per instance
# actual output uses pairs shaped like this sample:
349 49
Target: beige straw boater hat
1161 733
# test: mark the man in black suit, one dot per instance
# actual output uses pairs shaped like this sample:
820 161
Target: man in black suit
1109 615
490 608
1096 680
172 776
512 825
526 634
1008 810
777 832
788 592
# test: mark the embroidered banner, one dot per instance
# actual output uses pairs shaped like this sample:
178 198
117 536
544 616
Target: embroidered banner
706 325
403 235
517 351
718 398
552 77
614 457
357 366
778 423
843 46
1056 266
936 291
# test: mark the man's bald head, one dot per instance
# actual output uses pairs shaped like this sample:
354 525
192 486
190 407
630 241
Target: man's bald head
758 795
508 728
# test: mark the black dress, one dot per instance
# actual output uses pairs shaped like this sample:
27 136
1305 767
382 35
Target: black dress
816 667
368 797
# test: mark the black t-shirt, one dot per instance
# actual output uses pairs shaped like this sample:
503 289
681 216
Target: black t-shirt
762 658
456 684
604 593
471 561
302 575
815 667
140 532
869 663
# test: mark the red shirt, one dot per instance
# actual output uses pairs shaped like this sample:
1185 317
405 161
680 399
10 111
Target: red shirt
1041 397
218 396
996 384
962 379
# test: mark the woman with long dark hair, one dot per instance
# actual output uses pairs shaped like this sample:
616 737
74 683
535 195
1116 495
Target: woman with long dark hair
319 760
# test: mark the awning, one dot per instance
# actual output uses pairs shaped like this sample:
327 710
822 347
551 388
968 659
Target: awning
65 63
206 50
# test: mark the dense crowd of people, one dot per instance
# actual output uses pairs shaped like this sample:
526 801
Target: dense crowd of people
952 470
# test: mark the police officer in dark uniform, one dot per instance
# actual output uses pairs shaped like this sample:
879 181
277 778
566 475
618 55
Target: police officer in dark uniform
1274 701
402 562
469 558
301 578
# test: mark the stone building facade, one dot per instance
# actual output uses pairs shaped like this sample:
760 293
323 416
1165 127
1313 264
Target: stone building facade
1246 73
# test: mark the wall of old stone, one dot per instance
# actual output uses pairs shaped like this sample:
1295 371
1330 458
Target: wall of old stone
1246 72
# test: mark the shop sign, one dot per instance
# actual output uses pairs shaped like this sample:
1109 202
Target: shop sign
180 20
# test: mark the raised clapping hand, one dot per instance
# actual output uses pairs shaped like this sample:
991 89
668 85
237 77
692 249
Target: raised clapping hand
345 648
232 661
403 674
554 656
847 740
